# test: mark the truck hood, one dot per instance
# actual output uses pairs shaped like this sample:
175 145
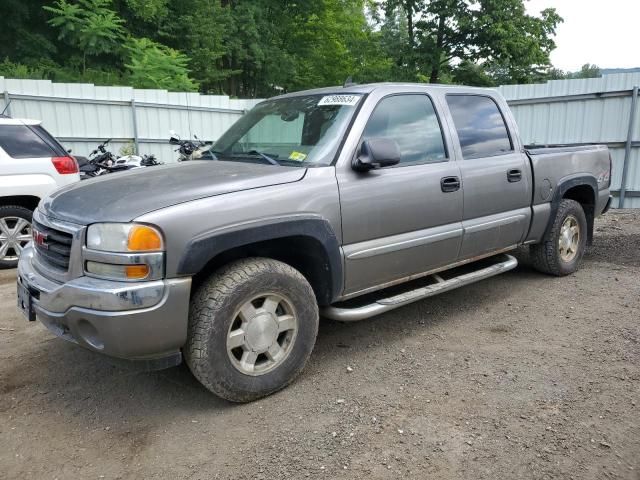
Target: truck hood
121 197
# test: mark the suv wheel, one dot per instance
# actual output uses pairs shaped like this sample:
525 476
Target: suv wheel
252 327
563 246
15 233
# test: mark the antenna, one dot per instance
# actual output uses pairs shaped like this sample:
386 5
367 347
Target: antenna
348 82
6 107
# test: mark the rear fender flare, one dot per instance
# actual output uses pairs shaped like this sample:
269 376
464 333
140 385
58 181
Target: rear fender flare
562 188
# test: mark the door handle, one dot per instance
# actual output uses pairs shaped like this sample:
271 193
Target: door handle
514 175
450 184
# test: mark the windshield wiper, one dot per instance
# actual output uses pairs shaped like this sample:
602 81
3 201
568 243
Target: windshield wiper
269 159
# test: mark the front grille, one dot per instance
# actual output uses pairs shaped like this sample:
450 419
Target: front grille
53 246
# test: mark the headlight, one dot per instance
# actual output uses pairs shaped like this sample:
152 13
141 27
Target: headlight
124 237
124 251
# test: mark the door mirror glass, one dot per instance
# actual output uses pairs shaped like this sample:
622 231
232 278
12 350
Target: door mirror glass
377 153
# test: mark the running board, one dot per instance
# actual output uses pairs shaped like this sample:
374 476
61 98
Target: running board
506 263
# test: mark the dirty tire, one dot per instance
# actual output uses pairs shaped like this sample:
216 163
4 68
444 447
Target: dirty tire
13 211
545 256
213 310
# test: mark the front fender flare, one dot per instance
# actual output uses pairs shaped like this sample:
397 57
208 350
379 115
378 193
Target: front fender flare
202 249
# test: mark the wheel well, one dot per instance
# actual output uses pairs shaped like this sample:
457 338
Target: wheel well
26 201
585 196
305 254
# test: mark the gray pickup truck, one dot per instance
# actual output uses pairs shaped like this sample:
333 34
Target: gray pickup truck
338 202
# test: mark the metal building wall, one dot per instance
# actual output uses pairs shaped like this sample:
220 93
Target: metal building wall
83 115
595 110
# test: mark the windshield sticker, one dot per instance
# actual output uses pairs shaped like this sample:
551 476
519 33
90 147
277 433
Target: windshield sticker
348 100
297 156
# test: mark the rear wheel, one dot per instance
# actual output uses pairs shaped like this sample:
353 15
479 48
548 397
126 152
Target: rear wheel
15 233
563 246
252 327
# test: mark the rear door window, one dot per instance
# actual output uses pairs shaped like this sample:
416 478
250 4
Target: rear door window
480 125
24 141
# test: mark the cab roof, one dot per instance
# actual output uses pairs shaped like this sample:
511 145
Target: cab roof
4 120
370 87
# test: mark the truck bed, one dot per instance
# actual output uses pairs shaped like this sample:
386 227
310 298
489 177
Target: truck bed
562 148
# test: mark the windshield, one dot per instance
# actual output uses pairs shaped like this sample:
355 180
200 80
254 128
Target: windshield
303 131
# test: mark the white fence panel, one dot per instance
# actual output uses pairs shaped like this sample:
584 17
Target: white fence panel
594 110
83 115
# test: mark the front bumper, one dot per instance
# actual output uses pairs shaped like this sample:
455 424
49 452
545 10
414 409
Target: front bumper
132 321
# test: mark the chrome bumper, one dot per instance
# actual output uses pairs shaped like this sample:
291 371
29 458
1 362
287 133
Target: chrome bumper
135 321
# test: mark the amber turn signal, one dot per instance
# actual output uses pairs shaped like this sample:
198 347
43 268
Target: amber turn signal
136 272
143 239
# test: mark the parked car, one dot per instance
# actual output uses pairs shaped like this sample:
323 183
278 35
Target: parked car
341 202
32 165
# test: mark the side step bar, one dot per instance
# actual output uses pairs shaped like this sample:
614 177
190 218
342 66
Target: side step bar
506 263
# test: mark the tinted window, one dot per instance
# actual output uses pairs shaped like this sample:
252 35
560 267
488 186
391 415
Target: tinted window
480 126
20 141
412 122
49 140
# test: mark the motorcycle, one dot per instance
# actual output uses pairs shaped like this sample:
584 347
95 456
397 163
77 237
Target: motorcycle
137 161
101 161
97 163
190 149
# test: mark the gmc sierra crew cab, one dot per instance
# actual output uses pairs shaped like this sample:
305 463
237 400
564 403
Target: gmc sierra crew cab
340 202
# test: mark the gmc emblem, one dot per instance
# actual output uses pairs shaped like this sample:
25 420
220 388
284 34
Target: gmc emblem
40 239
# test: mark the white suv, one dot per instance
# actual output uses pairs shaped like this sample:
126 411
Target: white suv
32 165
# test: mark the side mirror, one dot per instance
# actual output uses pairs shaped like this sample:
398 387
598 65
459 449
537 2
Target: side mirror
376 153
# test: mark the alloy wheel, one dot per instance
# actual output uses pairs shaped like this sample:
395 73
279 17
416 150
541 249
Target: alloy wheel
569 239
15 233
262 334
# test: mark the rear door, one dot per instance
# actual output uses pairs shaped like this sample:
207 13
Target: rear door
495 175
401 221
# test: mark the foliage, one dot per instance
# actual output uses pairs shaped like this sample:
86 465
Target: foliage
497 36
8 69
587 71
153 65
88 24
128 149
256 48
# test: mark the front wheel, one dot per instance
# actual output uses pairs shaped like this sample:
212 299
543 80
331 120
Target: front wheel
563 246
252 327
15 233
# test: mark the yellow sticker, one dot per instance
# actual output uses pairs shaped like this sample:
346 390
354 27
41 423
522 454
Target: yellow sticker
297 156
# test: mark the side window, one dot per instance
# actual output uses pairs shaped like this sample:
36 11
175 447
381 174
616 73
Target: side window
480 126
19 141
412 122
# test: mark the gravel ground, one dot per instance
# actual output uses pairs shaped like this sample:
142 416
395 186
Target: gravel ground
519 376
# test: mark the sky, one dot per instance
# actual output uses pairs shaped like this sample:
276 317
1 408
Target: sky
601 32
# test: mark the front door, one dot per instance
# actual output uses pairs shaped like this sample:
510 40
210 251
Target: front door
406 219
496 177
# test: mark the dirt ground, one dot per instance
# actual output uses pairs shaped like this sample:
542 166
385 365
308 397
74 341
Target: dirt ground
519 376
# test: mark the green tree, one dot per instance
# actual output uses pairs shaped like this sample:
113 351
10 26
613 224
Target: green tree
89 25
153 65
257 48
587 71
197 28
497 35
